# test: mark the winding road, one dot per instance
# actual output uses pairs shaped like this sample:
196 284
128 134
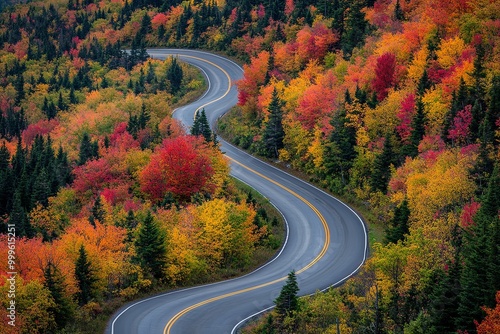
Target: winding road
326 241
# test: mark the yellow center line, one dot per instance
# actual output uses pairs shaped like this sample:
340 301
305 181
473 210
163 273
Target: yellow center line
223 71
174 319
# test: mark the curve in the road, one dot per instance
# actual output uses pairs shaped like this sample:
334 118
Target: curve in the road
327 239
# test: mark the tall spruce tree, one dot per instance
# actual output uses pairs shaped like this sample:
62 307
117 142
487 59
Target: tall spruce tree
273 133
355 28
174 76
288 300
19 86
479 279
150 247
417 130
85 278
98 212
399 224
41 191
201 127
340 149
54 281
88 149
382 167
19 217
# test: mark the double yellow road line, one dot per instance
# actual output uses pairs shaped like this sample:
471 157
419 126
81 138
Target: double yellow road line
174 319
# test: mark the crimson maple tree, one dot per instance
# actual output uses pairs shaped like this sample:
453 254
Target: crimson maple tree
181 166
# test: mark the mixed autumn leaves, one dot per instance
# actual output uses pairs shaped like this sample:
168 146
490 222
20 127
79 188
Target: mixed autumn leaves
391 103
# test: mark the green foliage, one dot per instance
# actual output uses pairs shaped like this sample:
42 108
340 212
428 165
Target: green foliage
150 247
479 279
339 150
88 149
64 307
85 278
273 135
399 226
201 127
381 167
174 76
287 301
417 130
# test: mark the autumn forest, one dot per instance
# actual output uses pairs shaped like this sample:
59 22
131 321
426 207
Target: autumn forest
392 105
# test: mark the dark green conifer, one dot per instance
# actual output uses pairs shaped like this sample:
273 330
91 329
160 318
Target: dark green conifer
63 310
288 300
398 12
85 278
19 86
98 212
381 174
174 76
201 127
481 261
88 149
417 130
41 189
130 225
355 28
273 135
340 149
19 217
150 247
399 225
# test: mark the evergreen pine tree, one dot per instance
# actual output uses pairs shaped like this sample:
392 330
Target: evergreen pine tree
19 86
145 25
85 278
88 149
338 17
41 189
490 211
423 84
150 247
130 225
381 167
481 260
6 185
143 119
174 76
355 28
417 130
479 73
273 133
60 102
477 118
340 149
19 218
443 300
488 125
201 127
287 300
97 211
64 308
399 225
72 97
398 12
63 169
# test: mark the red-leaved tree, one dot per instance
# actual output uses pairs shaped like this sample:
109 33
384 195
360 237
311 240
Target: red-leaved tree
461 123
385 71
181 166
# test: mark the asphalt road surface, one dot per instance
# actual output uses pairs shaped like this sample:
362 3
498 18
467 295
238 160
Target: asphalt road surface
326 241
